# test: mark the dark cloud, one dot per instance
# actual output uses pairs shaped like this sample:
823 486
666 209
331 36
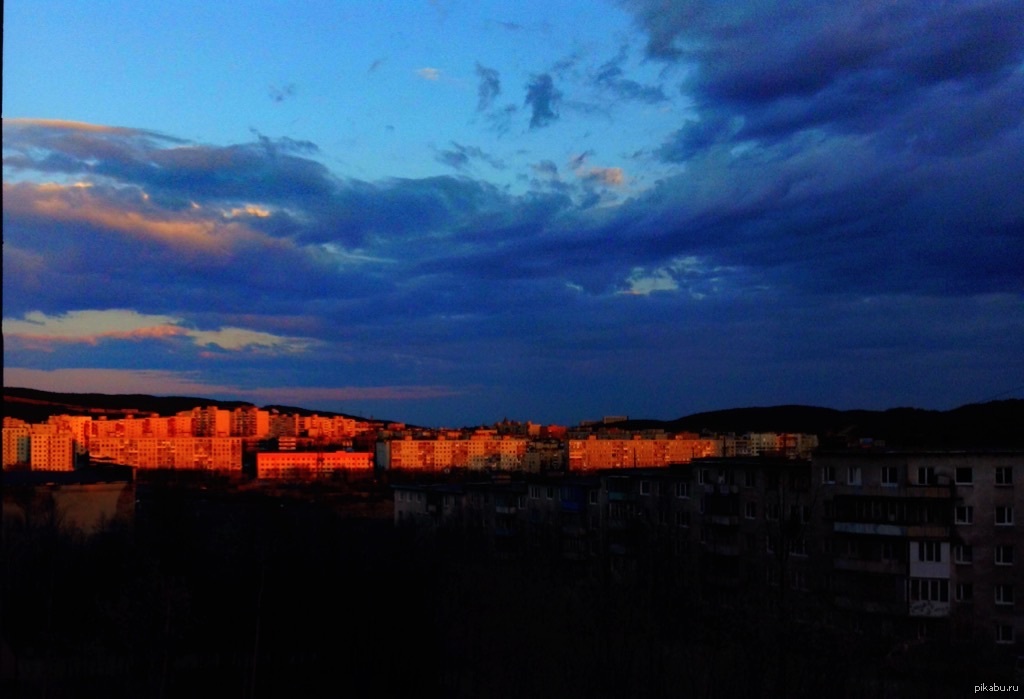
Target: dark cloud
843 68
852 256
490 87
543 99
280 94
610 76
460 157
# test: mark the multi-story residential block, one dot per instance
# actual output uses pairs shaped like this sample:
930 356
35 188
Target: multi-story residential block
51 449
480 451
910 544
596 453
305 465
17 438
203 453
929 539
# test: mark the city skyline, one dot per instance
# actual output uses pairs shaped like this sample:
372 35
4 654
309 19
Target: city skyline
449 214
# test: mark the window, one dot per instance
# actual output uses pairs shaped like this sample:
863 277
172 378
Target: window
550 493
890 476
1004 633
1004 594
1004 555
964 475
703 476
534 492
853 475
929 551
888 551
963 554
798 547
593 497
645 487
964 514
828 475
1004 516
683 519
682 490
926 476
1004 475
769 544
750 510
771 511
965 593
929 590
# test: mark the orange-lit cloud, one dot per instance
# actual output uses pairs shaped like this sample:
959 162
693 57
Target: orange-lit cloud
609 176
80 204
90 327
67 125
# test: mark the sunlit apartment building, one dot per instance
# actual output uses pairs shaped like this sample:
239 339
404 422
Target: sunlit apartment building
598 453
203 453
480 451
306 465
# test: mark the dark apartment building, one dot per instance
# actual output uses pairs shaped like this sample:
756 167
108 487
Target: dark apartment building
902 544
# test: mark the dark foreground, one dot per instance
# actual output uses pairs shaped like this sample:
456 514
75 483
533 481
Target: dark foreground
311 592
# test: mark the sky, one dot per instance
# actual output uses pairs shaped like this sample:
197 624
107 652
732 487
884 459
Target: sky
449 213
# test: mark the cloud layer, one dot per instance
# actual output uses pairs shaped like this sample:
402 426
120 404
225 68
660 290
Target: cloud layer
842 224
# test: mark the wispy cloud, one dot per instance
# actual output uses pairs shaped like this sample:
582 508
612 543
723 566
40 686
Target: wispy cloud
542 97
460 157
94 326
489 89
429 73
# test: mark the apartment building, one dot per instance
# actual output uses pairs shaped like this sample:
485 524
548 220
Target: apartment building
929 540
202 453
912 544
306 465
596 452
479 451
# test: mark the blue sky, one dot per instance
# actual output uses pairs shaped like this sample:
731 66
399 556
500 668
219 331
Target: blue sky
448 213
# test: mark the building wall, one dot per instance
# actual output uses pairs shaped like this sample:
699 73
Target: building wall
304 465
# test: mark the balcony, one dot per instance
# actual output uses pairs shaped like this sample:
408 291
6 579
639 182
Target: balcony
869 528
